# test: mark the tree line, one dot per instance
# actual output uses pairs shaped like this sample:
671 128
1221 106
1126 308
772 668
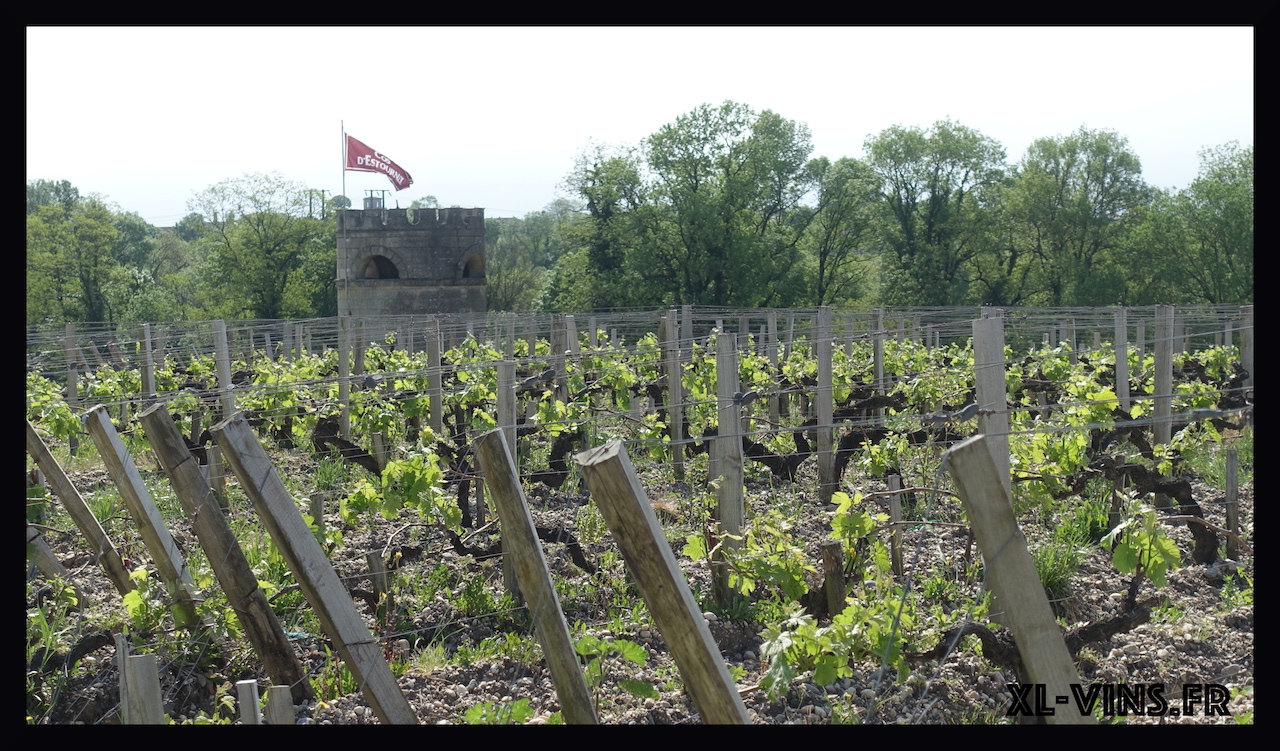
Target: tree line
725 206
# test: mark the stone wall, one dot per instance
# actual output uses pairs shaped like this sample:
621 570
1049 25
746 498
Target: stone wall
409 262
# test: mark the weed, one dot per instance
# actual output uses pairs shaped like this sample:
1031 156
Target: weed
1166 612
48 625
600 652
1237 592
1056 562
334 679
492 713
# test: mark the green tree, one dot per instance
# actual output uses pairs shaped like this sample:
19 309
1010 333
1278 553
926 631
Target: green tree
703 213
839 239
602 265
1202 237
49 193
69 259
1071 200
259 238
728 179
521 253
933 183
190 227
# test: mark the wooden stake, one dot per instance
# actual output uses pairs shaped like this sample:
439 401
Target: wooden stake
1012 575
310 566
626 510
520 546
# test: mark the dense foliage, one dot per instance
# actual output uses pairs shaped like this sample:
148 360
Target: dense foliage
724 206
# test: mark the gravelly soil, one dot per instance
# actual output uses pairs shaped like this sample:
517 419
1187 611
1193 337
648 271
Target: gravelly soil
1197 635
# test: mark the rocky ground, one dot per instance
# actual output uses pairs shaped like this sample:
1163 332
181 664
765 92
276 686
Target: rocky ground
1201 630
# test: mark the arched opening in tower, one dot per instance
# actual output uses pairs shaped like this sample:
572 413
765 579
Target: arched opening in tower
474 268
379 267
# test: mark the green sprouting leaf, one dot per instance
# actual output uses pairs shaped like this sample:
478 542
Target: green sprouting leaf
587 645
695 546
639 688
631 651
1125 558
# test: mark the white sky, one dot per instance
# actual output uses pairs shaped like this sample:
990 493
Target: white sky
493 117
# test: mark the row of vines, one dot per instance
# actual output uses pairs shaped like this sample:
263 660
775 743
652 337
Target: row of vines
364 446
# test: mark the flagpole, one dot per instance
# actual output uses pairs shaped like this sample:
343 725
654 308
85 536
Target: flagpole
344 159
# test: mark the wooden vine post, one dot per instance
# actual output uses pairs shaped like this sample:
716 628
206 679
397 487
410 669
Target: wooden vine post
520 546
877 353
559 346
1232 504
435 379
675 390
79 512
825 407
506 419
1122 358
344 377
310 567
983 488
626 510
1246 343
147 370
145 701
771 352
166 556
992 391
226 399
226 558
1163 396
726 448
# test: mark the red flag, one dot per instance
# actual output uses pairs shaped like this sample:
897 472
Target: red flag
361 158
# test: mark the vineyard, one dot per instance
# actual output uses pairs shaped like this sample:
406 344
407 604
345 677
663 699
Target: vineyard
427 521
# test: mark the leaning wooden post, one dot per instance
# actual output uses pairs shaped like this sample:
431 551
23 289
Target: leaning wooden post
225 556
168 560
329 599
825 407
1122 358
983 488
992 391
622 502
84 519
726 449
44 559
529 564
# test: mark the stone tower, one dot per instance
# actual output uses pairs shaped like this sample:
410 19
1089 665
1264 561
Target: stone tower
403 262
